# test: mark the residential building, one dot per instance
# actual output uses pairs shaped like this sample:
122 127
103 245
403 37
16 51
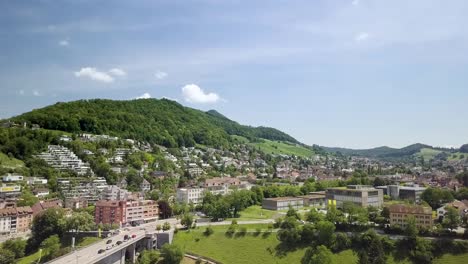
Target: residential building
9 190
145 186
110 212
90 189
141 211
400 212
12 178
190 195
113 192
76 203
15 219
40 206
361 195
36 181
220 181
460 206
61 158
41 192
282 203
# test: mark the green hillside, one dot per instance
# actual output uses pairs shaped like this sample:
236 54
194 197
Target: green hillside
277 147
163 122
8 162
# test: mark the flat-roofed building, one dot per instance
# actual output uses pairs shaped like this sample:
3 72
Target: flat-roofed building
190 195
361 195
141 211
110 212
315 200
281 203
399 214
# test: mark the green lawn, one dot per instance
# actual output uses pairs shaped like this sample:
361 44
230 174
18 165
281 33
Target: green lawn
458 156
278 147
29 259
250 248
88 241
5 161
256 212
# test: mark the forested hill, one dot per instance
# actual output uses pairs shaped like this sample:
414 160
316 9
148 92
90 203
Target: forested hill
163 122
387 152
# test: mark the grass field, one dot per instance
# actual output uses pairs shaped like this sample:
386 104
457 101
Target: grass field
5 161
428 153
258 248
29 259
277 147
251 248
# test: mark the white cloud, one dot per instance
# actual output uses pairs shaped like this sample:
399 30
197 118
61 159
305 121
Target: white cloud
21 92
94 74
361 36
144 96
160 75
36 93
355 2
194 94
117 72
64 43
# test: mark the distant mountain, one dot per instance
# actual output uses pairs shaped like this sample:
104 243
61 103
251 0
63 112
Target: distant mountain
163 122
381 152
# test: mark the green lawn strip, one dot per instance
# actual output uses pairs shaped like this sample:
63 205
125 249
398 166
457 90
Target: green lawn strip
88 241
276 147
255 212
29 259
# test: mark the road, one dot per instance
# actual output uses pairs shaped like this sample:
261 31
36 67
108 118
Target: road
90 253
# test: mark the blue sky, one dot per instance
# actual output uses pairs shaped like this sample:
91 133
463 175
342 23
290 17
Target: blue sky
351 73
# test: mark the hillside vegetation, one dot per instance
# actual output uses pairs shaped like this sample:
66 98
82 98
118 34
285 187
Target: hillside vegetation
163 122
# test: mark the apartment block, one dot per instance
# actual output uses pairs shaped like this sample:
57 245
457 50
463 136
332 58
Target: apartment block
110 212
15 219
399 214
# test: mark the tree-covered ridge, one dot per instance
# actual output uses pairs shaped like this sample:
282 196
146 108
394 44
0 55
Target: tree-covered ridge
163 122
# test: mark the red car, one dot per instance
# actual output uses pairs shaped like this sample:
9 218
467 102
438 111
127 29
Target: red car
133 236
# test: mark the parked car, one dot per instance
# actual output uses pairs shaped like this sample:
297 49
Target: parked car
101 251
109 241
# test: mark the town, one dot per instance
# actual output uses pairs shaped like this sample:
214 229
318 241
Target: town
103 186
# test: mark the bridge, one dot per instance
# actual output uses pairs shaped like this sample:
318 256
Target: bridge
141 237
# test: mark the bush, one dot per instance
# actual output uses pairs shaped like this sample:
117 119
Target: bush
208 231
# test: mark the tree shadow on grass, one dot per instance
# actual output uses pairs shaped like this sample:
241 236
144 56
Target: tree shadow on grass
266 235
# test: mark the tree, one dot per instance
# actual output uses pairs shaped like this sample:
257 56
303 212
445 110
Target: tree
411 230
314 216
17 246
370 249
80 221
325 235
342 242
27 198
452 218
293 213
51 246
149 257
187 220
165 210
422 252
318 255
47 223
435 197
166 226
172 254
158 227
308 234
6 256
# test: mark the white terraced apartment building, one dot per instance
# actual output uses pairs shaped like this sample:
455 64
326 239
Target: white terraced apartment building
63 159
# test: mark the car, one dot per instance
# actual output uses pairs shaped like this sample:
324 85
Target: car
133 236
109 247
126 237
101 251
119 242
109 241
